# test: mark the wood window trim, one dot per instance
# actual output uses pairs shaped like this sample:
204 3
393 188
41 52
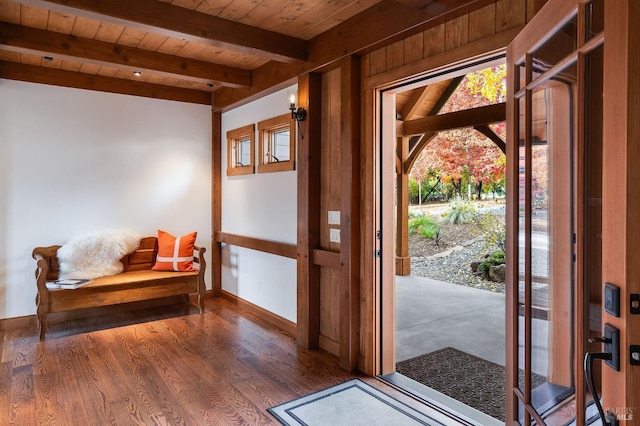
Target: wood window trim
265 129
233 136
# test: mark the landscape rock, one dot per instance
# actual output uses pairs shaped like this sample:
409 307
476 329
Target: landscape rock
498 273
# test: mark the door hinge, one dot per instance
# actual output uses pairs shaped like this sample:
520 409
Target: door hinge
378 254
378 234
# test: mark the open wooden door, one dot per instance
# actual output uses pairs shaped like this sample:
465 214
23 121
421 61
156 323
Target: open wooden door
561 157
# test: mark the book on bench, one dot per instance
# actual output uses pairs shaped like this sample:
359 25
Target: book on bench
68 284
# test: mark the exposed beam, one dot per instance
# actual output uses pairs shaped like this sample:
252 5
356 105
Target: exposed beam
266 78
455 120
185 24
380 23
416 4
435 109
56 77
424 140
453 85
486 130
32 40
356 35
415 101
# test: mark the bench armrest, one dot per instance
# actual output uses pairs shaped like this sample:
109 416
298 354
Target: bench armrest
42 270
199 259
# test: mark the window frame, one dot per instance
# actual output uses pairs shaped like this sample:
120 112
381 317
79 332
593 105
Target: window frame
266 130
233 138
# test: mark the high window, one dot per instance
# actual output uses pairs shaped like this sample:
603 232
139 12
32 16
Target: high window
241 151
277 144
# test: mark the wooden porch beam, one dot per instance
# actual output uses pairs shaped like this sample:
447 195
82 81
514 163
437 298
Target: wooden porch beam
453 85
424 140
486 130
403 261
56 77
417 98
185 24
455 120
32 40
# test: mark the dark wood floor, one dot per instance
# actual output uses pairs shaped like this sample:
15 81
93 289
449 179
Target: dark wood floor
160 366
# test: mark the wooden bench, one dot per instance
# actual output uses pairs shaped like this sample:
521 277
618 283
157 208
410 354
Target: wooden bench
136 283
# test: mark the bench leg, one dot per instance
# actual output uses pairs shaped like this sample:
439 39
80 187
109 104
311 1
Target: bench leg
42 325
202 289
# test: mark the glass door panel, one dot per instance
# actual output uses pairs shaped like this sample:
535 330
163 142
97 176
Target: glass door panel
556 137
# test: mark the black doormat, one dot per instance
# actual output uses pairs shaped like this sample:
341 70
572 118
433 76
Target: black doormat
467 378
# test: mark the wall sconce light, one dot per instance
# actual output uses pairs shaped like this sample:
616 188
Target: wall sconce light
298 114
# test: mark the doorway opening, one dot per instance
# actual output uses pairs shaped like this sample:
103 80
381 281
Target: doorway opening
449 235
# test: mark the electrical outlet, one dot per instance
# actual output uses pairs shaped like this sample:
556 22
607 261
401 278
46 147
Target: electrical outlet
334 235
612 346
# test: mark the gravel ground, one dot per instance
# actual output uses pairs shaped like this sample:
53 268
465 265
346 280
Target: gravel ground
450 259
453 266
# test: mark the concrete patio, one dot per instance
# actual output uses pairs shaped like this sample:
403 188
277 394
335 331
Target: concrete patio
431 315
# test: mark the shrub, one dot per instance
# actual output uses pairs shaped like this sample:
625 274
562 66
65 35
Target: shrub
493 230
495 258
423 224
460 211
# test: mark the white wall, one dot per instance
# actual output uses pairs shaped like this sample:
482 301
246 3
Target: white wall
262 205
73 161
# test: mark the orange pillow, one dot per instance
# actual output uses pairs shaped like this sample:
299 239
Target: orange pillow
175 254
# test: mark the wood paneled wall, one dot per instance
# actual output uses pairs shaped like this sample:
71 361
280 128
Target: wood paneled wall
330 201
340 192
472 34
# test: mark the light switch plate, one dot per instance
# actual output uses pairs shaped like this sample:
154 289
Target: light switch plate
334 235
334 217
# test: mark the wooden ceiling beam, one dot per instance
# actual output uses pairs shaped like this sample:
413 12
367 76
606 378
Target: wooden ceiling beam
455 120
56 77
356 35
185 24
416 4
267 78
381 23
48 43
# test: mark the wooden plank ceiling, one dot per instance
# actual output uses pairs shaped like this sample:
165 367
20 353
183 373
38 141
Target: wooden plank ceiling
186 49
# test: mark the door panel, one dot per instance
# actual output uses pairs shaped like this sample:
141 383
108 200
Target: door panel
554 133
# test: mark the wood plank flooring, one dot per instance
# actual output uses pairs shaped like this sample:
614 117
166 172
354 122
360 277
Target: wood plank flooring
161 366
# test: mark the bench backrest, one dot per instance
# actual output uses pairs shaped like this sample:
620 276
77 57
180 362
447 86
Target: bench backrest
142 259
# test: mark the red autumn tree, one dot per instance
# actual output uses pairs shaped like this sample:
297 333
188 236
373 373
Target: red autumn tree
460 154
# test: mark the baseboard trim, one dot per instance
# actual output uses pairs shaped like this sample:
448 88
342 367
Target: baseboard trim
284 324
30 321
329 345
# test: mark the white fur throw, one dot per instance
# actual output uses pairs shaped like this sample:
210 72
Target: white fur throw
96 254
